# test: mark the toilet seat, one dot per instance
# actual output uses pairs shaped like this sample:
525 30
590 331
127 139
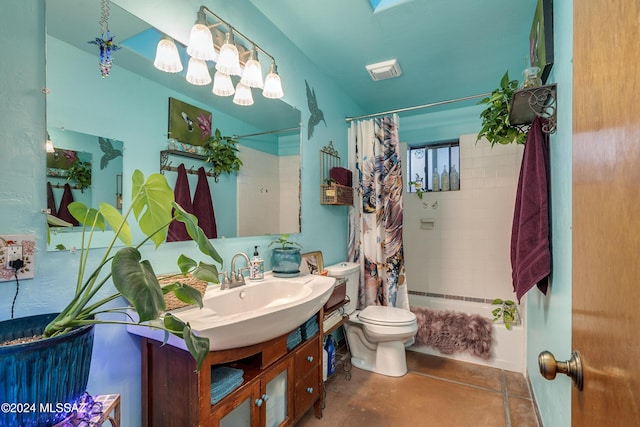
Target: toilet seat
386 316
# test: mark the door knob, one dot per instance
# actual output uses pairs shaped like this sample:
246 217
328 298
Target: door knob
549 367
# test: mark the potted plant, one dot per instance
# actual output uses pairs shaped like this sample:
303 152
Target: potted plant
495 118
286 258
80 172
221 152
417 184
67 337
507 311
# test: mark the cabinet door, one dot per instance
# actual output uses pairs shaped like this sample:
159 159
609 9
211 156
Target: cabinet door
277 388
242 410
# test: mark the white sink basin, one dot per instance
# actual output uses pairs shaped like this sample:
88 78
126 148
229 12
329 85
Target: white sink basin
252 313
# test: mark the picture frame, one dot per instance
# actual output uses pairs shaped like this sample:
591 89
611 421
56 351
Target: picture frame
189 124
541 39
312 263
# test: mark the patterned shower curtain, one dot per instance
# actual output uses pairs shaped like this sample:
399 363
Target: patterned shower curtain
375 221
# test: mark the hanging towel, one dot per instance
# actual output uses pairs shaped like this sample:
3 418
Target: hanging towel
203 206
530 251
51 202
63 210
182 195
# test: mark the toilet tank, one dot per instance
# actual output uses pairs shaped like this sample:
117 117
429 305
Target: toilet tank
350 271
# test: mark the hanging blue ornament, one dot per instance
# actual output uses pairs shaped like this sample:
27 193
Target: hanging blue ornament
106 45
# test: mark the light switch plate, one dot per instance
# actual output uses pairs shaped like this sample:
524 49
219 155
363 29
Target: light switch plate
8 248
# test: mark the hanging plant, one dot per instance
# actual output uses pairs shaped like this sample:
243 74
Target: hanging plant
80 172
495 118
221 152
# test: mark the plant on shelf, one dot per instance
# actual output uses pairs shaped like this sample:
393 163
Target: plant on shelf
507 311
417 184
286 258
495 118
222 153
80 172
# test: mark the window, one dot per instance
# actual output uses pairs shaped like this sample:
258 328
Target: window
439 163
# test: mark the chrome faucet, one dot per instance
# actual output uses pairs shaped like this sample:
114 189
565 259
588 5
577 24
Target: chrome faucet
236 277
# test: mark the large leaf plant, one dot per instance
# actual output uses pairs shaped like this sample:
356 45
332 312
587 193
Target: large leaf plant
134 279
495 118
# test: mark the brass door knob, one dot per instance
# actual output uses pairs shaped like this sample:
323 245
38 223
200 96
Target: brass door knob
549 367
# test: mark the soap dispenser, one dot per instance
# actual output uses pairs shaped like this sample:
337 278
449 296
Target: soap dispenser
256 270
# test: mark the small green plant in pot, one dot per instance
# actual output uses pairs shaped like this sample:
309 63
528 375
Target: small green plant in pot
507 311
286 257
417 184
496 126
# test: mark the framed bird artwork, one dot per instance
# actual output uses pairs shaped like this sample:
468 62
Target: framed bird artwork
317 115
188 124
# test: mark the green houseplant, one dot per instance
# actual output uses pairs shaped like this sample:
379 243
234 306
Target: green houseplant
222 153
286 257
80 172
495 118
507 311
134 280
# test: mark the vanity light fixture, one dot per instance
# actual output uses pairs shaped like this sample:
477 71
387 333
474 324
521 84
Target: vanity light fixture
167 56
214 39
222 84
49 145
229 59
252 74
272 84
243 95
201 40
198 72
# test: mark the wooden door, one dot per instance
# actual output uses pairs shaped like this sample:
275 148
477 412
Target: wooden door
606 211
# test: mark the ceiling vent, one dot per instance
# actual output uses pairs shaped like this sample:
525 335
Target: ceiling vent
384 70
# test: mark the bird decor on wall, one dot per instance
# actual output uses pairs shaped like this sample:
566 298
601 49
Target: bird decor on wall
110 153
105 43
316 114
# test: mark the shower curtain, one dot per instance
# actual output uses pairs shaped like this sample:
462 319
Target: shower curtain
375 220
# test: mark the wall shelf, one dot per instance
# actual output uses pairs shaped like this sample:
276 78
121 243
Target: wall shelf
529 103
165 163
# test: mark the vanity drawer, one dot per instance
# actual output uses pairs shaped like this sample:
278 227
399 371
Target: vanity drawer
307 357
307 391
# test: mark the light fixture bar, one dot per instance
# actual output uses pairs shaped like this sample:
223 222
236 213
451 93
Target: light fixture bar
250 42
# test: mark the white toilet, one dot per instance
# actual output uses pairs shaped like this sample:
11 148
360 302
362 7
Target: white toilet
377 334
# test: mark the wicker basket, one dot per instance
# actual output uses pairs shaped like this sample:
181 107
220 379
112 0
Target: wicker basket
336 194
170 299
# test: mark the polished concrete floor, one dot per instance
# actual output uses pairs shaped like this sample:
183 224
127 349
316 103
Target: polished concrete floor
435 392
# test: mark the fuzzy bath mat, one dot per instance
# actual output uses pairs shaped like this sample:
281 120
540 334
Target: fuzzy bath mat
451 332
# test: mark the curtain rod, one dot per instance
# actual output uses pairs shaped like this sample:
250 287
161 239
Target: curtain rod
266 133
417 107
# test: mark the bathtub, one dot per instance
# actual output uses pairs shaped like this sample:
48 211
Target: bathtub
508 348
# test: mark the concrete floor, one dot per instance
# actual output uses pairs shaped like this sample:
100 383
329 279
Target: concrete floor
436 392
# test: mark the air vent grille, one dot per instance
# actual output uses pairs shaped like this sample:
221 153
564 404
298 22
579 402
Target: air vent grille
384 70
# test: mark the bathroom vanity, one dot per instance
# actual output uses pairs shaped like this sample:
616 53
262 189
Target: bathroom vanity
279 384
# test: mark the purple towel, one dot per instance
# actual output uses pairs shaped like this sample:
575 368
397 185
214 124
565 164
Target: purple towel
63 210
342 176
182 195
203 206
530 251
51 202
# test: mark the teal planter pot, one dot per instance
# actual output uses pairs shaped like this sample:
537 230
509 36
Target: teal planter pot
285 262
36 376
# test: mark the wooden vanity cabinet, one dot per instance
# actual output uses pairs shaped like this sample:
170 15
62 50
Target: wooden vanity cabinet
279 385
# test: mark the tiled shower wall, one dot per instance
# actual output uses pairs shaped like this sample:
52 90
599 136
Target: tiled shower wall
467 252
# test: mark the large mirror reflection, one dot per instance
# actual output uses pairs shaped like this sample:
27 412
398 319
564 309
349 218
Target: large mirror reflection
130 108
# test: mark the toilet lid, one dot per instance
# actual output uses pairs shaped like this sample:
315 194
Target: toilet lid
384 315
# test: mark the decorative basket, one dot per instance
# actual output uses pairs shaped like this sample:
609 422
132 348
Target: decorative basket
170 299
336 194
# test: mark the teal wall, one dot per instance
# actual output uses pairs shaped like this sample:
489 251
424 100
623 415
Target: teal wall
549 317
116 363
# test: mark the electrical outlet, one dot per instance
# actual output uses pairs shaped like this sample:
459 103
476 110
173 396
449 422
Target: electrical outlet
17 247
14 253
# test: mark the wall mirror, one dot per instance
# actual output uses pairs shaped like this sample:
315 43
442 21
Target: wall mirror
131 106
